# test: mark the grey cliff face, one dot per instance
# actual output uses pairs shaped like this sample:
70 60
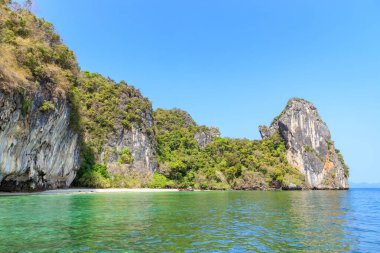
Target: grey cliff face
206 136
309 145
140 140
38 149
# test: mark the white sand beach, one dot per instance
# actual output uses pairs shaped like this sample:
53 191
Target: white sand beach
87 190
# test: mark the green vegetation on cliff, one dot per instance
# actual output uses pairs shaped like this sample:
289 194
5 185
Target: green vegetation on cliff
105 107
224 163
119 133
32 54
35 61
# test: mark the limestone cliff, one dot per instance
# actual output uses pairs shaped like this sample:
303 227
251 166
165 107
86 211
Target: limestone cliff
309 146
138 141
52 116
57 124
38 150
206 135
118 132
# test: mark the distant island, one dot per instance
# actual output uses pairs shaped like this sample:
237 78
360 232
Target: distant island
62 127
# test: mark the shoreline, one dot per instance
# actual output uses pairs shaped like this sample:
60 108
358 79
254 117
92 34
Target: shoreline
86 191
135 190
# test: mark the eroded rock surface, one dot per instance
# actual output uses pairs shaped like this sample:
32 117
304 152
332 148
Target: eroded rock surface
205 136
309 145
138 140
128 123
38 149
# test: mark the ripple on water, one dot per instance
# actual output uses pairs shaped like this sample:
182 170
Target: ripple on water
309 221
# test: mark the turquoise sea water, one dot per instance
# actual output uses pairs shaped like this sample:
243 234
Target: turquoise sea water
232 221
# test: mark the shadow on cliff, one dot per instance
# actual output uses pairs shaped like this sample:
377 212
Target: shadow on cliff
87 156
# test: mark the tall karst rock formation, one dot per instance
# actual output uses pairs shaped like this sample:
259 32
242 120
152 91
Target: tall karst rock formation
38 148
57 123
309 146
118 128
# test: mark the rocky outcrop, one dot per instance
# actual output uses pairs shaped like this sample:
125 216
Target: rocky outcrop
115 135
177 120
38 145
118 125
139 140
309 146
206 135
38 149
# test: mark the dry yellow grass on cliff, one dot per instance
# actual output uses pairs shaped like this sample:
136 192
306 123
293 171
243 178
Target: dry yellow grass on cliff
32 53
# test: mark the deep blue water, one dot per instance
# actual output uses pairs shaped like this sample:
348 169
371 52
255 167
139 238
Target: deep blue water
231 221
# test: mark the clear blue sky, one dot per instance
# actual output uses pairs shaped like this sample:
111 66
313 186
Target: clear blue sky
234 64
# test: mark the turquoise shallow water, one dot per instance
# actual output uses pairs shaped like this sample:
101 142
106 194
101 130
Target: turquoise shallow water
304 221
